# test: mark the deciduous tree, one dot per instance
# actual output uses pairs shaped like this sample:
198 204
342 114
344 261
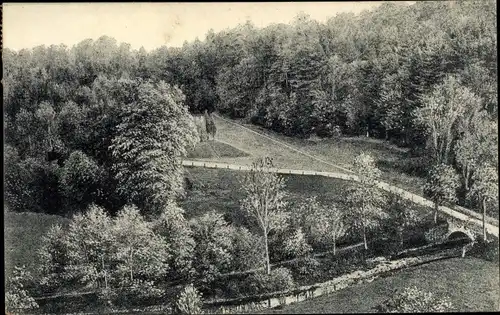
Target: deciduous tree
484 188
441 186
264 200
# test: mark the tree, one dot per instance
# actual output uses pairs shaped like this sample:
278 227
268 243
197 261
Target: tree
89 242
212 253
210 125
189 301
364 198
175 231
138 252
81 180
264 200
323 222
154 133
401 216
441 186
17 298
474 147
484 188
54 258
414 300
440 112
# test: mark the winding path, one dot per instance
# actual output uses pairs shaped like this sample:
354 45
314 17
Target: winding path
492 229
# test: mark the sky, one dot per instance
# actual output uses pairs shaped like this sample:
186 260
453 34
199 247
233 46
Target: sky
150 25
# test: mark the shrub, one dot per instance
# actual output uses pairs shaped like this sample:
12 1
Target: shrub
289 245
413 300
280 279
17 298
486 250
247 252
189 301
139 292
306 268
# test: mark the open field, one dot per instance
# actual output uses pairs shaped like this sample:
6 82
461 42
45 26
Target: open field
474 283
214 149
22 237
397 165
335 151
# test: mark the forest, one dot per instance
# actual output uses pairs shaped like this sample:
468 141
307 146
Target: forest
102 127
377 74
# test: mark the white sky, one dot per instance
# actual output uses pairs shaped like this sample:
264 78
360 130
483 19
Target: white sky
148 24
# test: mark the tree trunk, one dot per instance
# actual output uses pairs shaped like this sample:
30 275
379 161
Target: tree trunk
104 271
268 264
131 271
334 246
436 206
386 135
364 237
484 219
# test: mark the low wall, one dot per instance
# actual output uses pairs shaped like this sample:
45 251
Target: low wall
271 300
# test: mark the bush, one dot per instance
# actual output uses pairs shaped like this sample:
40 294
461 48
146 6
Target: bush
289 245
413 300
280 279
17 298
486 250
247 252
306 268
189 301
137 294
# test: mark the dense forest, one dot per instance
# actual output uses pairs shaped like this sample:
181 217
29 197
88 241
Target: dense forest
95 122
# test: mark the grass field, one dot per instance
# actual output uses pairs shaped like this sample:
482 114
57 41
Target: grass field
22 237
335 151
219 189
471 284
214 149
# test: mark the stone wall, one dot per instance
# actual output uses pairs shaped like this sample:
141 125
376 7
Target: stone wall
307 292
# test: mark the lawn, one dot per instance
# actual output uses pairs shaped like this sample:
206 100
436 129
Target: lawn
391 159
22 237
214 149
471 284
219 190
397 165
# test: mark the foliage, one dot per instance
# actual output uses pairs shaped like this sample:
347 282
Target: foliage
280 279
485 183
365 199
153 134
81 180
122 253
352 74
401 217
175 230
138 252
414 300
441 185
212 252
440 112
263 200
17 298
485 188
189 301
247 251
